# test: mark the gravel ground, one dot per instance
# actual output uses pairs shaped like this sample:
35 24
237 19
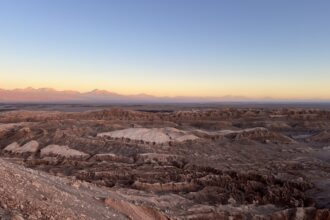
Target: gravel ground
30 194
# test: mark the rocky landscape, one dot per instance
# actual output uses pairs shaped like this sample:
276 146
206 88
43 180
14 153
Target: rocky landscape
202 163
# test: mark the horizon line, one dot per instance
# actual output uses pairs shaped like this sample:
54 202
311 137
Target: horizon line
236 98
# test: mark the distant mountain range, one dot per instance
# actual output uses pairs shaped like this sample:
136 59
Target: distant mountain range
49 95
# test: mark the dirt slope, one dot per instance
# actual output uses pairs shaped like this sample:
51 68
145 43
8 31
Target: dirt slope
32 194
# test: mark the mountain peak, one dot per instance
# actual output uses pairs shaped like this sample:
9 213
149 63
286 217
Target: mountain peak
100 92
47 90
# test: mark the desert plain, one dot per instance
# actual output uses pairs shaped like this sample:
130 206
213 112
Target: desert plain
164 162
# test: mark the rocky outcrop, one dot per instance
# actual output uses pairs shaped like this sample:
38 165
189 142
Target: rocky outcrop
159 158
111 157
29 148
309 213
151 135
62 151
5 129
298 214
135 212
12 147
258 134
322 137
166 187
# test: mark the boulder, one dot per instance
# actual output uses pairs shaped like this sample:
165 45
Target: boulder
31 147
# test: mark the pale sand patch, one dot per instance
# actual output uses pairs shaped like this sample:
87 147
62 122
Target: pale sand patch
157 135
63 151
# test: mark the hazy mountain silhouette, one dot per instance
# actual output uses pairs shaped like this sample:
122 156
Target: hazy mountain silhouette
50 95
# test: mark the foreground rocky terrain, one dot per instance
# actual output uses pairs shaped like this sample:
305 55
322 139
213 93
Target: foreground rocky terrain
219 163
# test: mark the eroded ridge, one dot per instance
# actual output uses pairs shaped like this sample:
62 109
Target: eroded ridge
225 163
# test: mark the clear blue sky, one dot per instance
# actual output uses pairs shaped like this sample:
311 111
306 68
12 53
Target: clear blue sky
257 48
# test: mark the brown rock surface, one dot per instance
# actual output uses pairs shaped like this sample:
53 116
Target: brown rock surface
246 163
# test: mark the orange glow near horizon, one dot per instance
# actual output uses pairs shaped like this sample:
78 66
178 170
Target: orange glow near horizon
311 90
214 49
132 82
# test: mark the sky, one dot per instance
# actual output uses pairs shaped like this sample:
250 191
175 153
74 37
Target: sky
251 48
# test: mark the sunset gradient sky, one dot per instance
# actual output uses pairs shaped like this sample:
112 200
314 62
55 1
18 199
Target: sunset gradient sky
252 48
